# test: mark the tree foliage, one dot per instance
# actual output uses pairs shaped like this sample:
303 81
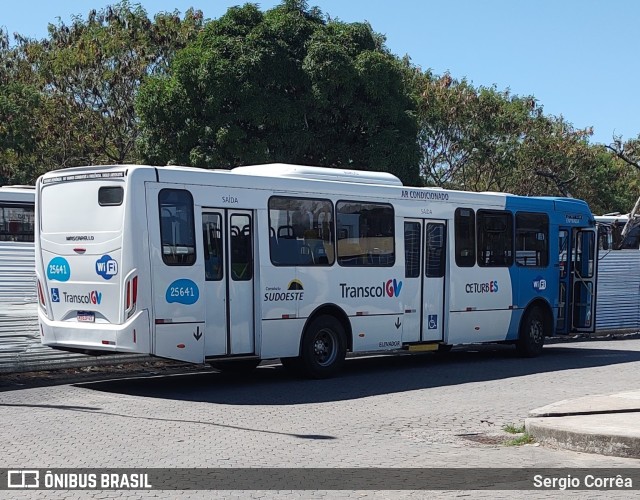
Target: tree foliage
285 85
81 81
482 139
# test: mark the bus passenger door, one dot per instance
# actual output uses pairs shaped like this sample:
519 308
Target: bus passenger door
240 282
435 258
424 284
228 268
178 301
583 296
564 248
578 272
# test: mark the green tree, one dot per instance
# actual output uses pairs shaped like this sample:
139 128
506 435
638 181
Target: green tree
87 75
481 139
20 118
470 138
285 85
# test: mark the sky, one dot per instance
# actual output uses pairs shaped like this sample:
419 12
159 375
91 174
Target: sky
578 58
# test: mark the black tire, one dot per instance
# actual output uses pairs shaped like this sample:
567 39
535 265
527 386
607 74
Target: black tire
236 365
323 348
533 329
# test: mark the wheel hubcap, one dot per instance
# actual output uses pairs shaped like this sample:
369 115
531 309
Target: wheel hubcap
536 331
325 347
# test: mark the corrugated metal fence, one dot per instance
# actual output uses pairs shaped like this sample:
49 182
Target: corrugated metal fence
618 297
20 347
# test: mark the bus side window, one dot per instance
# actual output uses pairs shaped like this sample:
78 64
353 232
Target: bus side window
212 240
177 230
300 231
412 240
241 248
16 223
465 237
369 234
495 238
532 239
436 250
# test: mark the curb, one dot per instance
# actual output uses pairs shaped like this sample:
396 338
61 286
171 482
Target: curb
604 434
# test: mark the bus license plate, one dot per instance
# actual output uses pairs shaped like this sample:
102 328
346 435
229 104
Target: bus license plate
87 317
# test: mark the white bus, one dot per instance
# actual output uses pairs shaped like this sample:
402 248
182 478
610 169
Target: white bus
300 263
18 302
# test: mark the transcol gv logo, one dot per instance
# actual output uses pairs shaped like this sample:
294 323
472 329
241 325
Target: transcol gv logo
390 288
94 297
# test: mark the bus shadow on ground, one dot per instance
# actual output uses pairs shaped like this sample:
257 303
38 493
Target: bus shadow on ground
362 377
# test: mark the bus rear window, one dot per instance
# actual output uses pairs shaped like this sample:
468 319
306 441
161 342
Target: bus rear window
110 196
75 207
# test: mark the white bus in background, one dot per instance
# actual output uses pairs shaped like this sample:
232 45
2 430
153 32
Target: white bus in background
18 298
302 264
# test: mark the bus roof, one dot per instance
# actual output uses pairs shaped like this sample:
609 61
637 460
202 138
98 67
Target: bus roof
17 193
319 173
299 177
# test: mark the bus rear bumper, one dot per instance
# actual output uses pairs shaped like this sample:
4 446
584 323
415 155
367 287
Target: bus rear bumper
130 337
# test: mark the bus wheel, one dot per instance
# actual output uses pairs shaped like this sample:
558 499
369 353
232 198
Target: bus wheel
235 365
323 347
532 332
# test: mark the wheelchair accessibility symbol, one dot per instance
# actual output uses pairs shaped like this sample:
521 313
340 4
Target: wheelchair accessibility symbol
432 322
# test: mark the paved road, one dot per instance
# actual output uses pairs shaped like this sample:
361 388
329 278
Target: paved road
400 411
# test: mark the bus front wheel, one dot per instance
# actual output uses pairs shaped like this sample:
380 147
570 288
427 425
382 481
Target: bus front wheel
533 330
323 348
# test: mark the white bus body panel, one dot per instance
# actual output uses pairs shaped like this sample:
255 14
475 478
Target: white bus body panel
481 305
85 256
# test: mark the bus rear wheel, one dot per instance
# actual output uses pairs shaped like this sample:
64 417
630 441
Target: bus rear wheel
323 348
533 329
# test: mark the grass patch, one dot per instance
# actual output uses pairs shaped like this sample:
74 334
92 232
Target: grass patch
514 429
520 440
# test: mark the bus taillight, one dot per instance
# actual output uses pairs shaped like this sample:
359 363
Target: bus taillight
131 298
41 296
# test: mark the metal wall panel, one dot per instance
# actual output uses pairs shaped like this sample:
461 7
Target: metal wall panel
618 297
20 347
